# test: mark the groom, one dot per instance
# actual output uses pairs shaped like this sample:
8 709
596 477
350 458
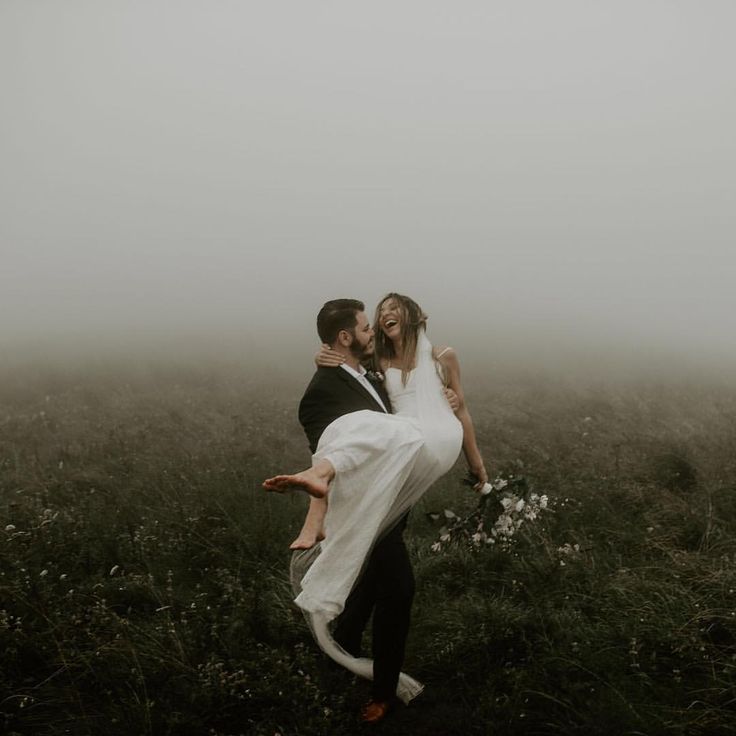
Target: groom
386 585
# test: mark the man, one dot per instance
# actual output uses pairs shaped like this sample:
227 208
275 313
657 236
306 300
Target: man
386 585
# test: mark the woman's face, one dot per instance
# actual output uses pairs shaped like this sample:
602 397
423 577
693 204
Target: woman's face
389 318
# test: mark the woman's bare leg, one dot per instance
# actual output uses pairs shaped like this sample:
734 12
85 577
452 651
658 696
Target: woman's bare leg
312 531
315 480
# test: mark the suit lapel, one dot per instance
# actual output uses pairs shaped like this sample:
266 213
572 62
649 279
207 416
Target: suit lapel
355 385
381 391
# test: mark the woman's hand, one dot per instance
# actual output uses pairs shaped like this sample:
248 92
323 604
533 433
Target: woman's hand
479 471
328 358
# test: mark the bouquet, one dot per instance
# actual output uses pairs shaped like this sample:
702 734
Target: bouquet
485 525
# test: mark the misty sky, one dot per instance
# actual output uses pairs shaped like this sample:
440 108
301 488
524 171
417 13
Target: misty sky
561 168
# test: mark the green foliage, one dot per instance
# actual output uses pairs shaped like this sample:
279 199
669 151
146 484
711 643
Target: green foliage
143 570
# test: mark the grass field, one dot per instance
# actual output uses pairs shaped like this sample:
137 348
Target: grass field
143 584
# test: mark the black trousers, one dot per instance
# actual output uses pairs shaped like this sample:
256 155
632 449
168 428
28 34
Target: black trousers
385 589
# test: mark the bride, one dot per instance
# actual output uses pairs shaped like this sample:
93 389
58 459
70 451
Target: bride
369 468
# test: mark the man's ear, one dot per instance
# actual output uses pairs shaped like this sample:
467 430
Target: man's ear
344 338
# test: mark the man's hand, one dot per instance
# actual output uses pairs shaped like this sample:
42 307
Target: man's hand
452 399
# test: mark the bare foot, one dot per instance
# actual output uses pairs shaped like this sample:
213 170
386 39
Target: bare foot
308 481
306 540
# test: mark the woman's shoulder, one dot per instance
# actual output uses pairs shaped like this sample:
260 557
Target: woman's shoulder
443 352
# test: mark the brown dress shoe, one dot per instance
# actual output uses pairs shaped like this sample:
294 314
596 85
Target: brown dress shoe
374 711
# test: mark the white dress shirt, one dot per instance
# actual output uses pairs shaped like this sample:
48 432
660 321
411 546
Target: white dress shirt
359 375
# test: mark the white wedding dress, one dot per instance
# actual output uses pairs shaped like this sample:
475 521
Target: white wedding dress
384 463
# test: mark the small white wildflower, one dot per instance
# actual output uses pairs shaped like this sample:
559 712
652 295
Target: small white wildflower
44 573
10 528
114 569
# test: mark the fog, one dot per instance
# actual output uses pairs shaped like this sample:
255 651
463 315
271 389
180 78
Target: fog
552 181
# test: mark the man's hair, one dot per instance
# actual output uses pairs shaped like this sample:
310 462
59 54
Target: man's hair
337 315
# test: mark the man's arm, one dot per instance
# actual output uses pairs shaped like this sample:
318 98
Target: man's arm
319 406
315 413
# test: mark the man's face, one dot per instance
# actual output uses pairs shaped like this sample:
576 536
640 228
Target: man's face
362 345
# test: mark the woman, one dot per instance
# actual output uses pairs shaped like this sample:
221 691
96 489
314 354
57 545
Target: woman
375 466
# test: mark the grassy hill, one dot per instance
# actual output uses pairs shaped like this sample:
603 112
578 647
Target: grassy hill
143 583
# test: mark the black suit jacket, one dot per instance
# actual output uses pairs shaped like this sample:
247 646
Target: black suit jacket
331 393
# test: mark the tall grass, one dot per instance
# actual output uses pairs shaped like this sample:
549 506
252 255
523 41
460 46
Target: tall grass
143 571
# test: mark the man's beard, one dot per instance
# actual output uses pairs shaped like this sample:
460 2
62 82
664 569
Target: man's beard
361 352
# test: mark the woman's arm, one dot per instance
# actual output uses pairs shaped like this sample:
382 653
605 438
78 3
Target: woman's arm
448 360
327 357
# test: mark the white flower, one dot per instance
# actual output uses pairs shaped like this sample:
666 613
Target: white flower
503 522
114 569
10 528
44 573
520 504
